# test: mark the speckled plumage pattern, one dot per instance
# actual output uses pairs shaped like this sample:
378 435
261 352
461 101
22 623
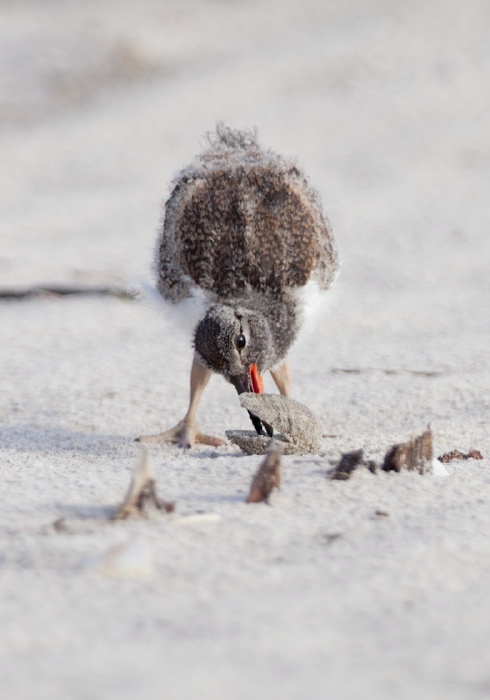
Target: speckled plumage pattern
244 228
240 219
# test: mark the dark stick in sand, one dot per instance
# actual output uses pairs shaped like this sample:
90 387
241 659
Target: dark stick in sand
60 290
142 498
267 478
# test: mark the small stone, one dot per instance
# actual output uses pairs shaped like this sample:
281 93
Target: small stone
60 525
349 463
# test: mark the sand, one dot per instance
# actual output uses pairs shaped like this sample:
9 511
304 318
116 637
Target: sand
386 106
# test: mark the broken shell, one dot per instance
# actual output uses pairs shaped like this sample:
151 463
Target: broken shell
299 431
439 469
253 444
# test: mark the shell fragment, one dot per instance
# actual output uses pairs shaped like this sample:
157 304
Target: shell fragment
298 430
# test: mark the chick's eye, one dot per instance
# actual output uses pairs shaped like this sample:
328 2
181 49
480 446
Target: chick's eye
240 341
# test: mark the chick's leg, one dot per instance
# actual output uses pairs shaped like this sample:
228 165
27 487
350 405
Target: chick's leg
186 433
282 377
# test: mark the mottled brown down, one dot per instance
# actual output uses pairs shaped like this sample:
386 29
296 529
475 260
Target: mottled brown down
242 219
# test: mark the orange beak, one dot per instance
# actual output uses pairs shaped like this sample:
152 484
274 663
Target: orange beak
256 380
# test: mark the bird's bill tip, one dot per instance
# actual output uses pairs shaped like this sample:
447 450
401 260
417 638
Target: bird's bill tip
241 382
251 382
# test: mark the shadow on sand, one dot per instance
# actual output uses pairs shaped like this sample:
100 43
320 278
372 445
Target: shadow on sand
35 438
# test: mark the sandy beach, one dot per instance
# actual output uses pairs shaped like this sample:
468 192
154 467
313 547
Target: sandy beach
375 587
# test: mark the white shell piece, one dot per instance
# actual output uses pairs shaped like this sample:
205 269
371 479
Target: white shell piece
438 468
131 559
197 519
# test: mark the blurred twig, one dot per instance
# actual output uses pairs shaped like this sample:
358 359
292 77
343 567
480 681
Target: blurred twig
362 370
59 290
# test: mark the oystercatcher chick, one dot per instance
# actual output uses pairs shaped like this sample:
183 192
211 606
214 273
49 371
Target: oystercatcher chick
244 230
